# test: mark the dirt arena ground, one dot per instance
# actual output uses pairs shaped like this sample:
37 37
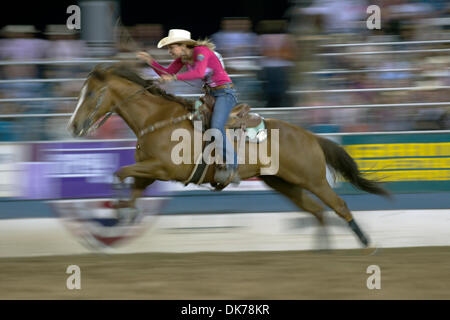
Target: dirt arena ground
406 273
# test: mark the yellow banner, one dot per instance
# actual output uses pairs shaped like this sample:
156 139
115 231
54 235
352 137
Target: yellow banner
405 163
414 158
409 175
399 150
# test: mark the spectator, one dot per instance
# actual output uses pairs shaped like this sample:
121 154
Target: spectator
338 16
236 40
279 53
22 43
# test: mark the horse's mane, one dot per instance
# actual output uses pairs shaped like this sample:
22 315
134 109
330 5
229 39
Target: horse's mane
128 73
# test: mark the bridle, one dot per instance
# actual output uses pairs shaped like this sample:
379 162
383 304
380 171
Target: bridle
160 124
88 122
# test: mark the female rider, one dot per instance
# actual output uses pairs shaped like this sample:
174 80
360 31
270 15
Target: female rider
202 63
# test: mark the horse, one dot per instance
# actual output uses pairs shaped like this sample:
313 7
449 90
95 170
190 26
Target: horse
302 156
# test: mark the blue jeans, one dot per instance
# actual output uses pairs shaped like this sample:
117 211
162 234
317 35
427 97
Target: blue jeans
225 101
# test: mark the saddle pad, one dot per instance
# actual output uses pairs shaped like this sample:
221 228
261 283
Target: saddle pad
256 134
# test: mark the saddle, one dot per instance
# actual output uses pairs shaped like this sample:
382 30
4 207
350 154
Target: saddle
240 118
240 115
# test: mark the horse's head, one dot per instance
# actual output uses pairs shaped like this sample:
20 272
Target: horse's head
93 103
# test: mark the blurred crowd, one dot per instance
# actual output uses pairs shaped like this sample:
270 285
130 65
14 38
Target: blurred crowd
320 54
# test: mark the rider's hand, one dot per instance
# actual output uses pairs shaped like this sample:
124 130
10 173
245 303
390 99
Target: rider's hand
167 78
144 56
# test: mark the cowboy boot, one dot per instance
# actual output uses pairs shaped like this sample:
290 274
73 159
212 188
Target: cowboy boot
226 174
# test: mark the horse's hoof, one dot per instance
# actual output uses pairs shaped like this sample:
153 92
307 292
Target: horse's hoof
354 226
217 187
365 242
120 204
371 251
118 185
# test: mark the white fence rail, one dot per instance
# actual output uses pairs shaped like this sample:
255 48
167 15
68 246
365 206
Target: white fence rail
262 110
295 92
392 43
371 89
380 52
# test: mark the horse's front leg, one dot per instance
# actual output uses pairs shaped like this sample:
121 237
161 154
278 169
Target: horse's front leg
138 188
149 169
144 174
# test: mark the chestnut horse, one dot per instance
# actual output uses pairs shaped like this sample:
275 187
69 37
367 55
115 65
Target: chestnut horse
302 157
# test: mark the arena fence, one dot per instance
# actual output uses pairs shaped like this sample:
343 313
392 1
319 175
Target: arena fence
272 111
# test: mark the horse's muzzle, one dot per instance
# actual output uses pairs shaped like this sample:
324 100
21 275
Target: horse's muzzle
77 131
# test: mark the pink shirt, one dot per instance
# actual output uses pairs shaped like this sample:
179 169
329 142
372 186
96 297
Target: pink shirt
206 67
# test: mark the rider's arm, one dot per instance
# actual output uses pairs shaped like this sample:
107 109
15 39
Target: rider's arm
199 68
173 68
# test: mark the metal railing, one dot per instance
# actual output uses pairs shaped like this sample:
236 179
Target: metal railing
44 61
392 43
334 134
293 92
265 110
331 71
371 89
41 80
83 79
380 52
38 99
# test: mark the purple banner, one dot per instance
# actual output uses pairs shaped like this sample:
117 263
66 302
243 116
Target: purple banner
78 169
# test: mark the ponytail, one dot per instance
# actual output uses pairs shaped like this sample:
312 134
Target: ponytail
205 42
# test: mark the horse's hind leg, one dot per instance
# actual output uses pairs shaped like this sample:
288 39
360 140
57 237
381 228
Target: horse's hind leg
298 196
325 193
295 194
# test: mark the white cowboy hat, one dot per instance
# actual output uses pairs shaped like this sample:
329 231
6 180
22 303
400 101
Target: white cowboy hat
176 36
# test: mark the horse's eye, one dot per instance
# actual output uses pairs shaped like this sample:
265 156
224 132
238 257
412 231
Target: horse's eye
89 94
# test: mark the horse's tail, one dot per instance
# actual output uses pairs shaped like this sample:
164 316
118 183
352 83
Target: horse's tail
343 163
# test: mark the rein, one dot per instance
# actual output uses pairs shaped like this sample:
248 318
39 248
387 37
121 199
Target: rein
90 118
164 123
149 129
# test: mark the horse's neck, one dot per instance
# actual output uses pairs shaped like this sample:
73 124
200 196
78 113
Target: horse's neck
143 109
